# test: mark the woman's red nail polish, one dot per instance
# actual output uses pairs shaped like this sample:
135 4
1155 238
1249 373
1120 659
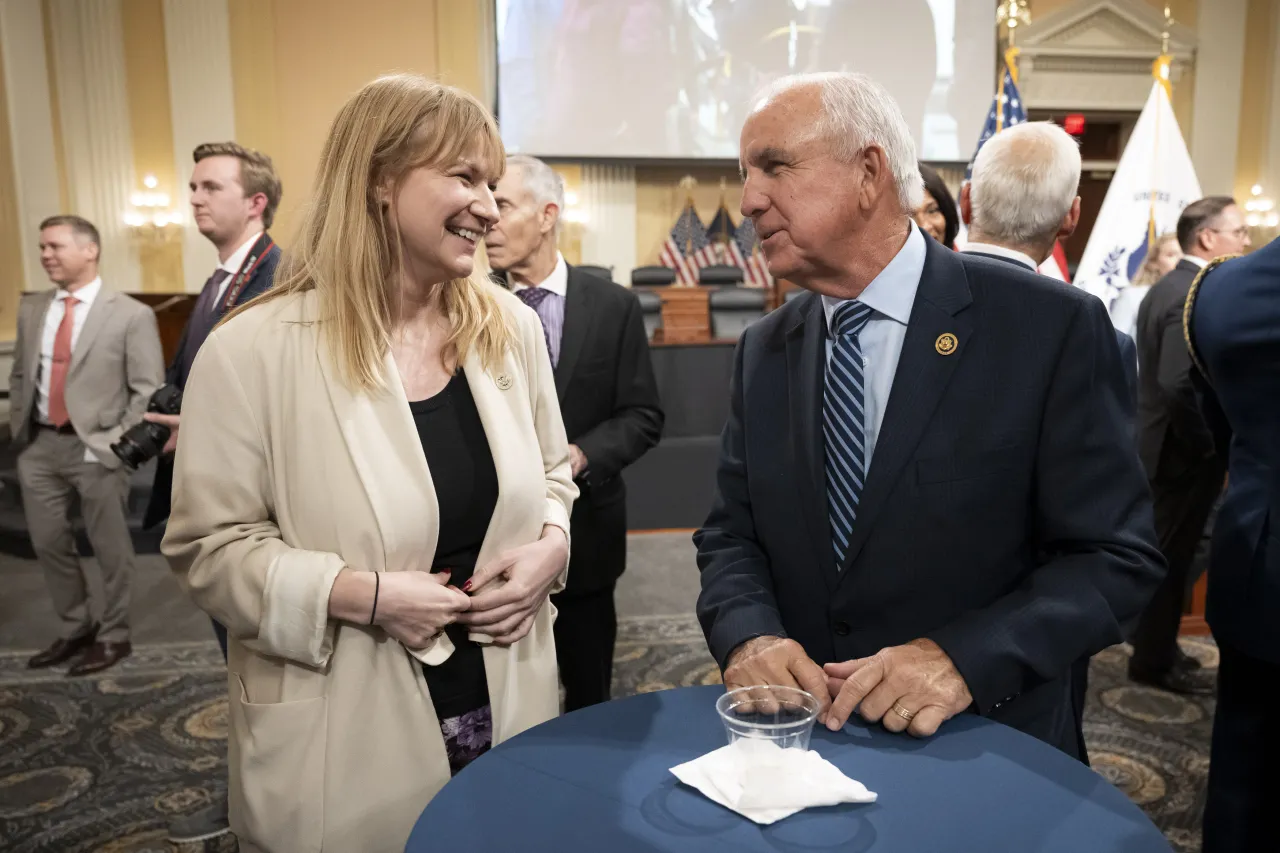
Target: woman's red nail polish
466 587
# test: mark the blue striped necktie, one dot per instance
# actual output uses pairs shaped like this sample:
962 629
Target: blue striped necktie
843 423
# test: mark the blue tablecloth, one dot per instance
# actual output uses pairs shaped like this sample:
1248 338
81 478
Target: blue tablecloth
599 780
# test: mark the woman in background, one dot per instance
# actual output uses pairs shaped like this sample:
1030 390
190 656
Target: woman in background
372 489
1162 258
938 216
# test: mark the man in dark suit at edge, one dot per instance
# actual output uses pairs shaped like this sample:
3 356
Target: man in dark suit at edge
927 498
1232 314
609 402
1185 472
234 195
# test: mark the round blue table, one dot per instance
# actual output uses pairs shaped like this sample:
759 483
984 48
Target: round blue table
599 780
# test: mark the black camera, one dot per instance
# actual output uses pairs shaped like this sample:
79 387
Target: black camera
145 440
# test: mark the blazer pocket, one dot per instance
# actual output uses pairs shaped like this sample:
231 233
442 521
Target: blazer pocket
946 469
277 786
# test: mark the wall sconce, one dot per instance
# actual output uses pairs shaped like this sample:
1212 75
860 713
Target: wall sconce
150 217
572 213
1260 212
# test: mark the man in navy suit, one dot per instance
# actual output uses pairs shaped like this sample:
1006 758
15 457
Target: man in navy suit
234 195
1022 199
1231 322
927 497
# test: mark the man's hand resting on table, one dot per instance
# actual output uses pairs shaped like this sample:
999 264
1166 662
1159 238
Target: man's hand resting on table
914 687
777 662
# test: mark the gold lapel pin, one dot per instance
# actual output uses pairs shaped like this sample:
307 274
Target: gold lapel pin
503 382
946 344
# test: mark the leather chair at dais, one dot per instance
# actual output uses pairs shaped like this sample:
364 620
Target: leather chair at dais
720 275
651 306
733 309
605 273
655 276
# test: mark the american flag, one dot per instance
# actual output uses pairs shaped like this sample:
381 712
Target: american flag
724 244
1006 111
687 240
756 272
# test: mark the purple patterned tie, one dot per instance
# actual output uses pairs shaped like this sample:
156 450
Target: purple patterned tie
533 297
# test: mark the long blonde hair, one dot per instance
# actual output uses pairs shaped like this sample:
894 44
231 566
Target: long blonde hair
348 252
1149 273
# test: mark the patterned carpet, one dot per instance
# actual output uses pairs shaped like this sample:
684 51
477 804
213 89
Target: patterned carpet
100 764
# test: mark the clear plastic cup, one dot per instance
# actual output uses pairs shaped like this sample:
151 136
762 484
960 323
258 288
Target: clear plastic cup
782 715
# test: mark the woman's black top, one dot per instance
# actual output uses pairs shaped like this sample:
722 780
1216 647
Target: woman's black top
466 485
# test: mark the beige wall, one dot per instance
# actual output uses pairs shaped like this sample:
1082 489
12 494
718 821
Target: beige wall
309 58
10 248
1256 97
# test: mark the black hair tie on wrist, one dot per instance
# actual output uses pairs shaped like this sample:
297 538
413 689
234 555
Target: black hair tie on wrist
377 584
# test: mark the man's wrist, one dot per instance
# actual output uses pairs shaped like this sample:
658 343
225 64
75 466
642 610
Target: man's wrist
750 646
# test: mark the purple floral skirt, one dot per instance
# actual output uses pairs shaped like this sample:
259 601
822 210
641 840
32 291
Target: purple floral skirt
467 737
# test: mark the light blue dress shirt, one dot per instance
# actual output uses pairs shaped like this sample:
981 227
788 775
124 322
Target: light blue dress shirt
890 295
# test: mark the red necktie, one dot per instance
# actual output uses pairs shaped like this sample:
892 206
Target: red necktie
61 361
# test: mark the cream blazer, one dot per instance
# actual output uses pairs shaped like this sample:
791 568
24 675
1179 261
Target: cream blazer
283 477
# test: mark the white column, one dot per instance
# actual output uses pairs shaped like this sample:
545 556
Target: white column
35 164
1215 129
608 204
202 102
88 56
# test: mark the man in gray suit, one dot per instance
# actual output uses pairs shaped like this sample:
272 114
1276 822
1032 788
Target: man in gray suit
86 363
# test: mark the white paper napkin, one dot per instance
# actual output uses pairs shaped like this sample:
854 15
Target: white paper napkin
764 782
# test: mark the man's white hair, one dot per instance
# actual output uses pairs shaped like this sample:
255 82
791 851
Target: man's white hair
542 181
857 112
1024 182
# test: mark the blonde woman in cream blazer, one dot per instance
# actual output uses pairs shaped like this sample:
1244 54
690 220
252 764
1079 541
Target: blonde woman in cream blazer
304 508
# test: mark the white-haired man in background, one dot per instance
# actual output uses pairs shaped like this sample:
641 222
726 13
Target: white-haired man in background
1022 199
927 500
609 402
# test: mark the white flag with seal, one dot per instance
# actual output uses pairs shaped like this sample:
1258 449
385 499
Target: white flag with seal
1153 183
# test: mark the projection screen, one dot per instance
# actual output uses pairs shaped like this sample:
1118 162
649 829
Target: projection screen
634 79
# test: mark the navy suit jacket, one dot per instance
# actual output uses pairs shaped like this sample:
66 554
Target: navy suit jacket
162 489
1005 514
1233 323
1128 349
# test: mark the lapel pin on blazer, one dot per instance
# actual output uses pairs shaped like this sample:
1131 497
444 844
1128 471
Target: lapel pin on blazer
503 382
946 344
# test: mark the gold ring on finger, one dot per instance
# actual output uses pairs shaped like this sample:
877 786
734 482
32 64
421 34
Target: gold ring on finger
903 712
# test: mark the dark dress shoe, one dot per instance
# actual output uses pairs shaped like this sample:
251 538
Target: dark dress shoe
63 650
1176 680
100 656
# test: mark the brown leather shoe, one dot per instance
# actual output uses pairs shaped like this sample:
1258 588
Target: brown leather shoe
63 649
100 656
